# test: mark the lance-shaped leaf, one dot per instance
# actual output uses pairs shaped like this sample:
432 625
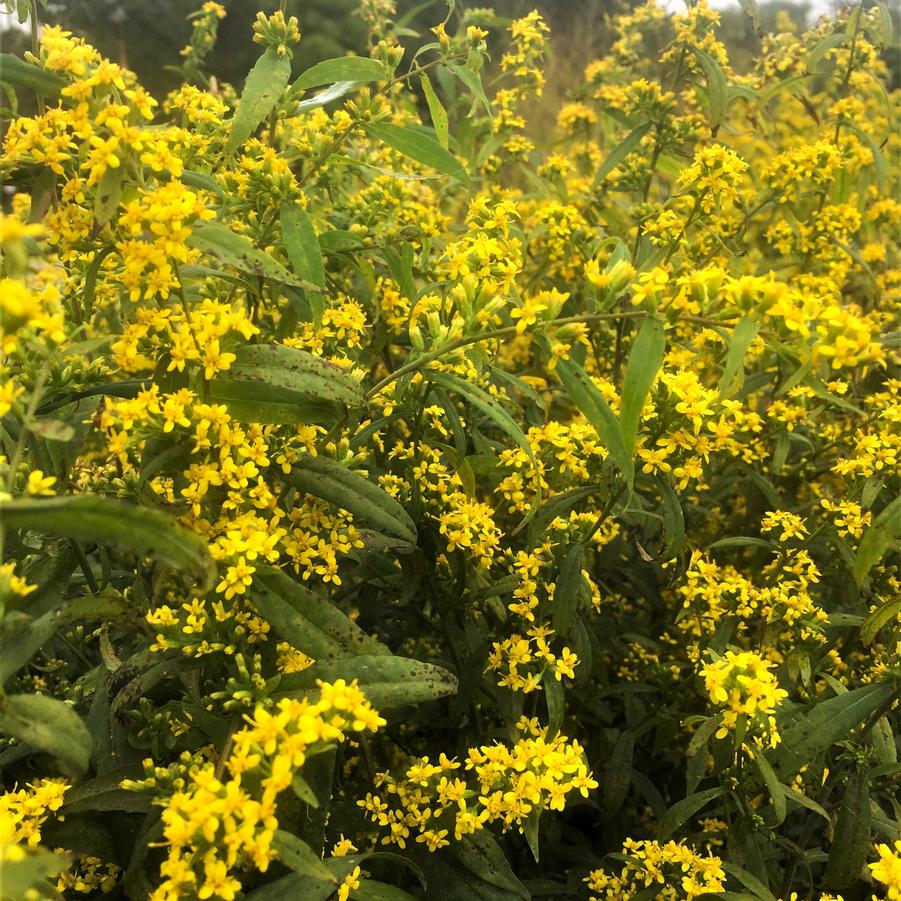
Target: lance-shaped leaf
555 699
567 589
810 734
14 70
300 857
683 810
113 523
386 681
882 535
417 146
851 840
310 623
265 84
485 403
301 243
644 361
585 395
482 855
830 42
16 650
344 68
239 252
773 785
364 500
629 143
254 401
558 505
47 725
473 81
292 369
717 88
436 111
739 342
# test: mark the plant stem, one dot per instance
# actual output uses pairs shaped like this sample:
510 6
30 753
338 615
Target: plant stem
36 49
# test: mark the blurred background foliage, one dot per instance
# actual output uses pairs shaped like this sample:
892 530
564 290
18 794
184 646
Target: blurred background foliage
147 35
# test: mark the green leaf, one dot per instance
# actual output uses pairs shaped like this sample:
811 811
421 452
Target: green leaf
310 623
749 881
530 830
28 876
52 429
774 787
105 793
882 535
400 265
567 588
359 69
586 396
799 798
239 252
830 42
743 541
301 243
717 89
417 146
879 162
702 735
304 791
644 361
109 193
486 404
878 619
882 738
481 855
683 810
827 722
364 500
556 506
265 84
292 369
113 523
309 888
752 12
629 143
386 681
16 650
300 857
436 111
257 402
555 699
473 81
885 25
851 840
202 180
739 342
16 71
372 890
673 522
47 725
618 773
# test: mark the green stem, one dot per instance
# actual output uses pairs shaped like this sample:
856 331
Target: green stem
33 402
36 49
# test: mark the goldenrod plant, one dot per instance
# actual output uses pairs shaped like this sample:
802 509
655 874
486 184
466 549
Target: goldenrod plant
398 501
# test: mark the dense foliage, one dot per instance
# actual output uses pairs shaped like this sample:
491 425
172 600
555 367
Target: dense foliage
401 504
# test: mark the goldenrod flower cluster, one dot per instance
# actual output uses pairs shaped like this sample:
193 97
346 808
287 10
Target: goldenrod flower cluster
219 820
566 421
673 870
436 800
742 684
